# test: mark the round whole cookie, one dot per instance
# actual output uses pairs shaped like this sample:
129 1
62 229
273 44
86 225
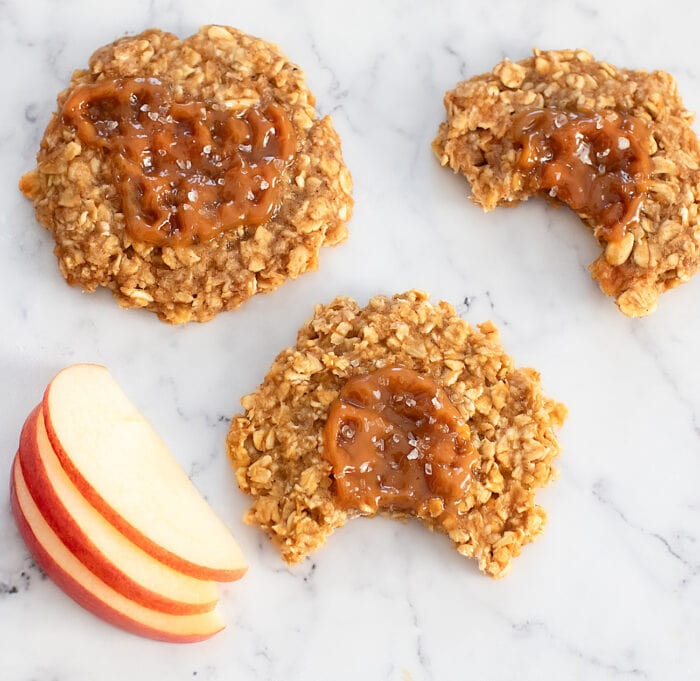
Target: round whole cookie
130 211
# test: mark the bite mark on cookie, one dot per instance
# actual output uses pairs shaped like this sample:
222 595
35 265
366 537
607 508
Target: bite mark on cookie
280 454
656 250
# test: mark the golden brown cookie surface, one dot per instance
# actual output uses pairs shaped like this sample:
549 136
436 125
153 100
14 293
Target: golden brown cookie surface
661 248
73 187
277 446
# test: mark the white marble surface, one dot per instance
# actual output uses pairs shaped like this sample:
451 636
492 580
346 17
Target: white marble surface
611 590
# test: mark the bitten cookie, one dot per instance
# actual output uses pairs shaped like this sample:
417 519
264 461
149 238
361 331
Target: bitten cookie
400 408
188 175
615 145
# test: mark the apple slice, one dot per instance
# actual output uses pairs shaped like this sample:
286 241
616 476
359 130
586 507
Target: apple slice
95 542
89 591
121 466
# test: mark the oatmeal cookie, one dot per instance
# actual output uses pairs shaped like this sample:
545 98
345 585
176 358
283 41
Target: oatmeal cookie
660 248
277 446
73 186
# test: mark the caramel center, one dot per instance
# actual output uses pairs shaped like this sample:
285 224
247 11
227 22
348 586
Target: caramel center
395 441
185 171
597 164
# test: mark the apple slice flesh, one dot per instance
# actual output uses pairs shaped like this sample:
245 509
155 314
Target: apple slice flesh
93 594
120 465
95 542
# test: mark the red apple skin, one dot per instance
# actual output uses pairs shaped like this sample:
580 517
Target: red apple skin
78 543
136 536
78 593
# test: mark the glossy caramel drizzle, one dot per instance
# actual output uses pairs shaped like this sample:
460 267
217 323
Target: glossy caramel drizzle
598 164
395 441
185 171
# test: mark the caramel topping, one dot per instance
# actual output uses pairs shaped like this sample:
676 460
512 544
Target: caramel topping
395 441
185 171
597 164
